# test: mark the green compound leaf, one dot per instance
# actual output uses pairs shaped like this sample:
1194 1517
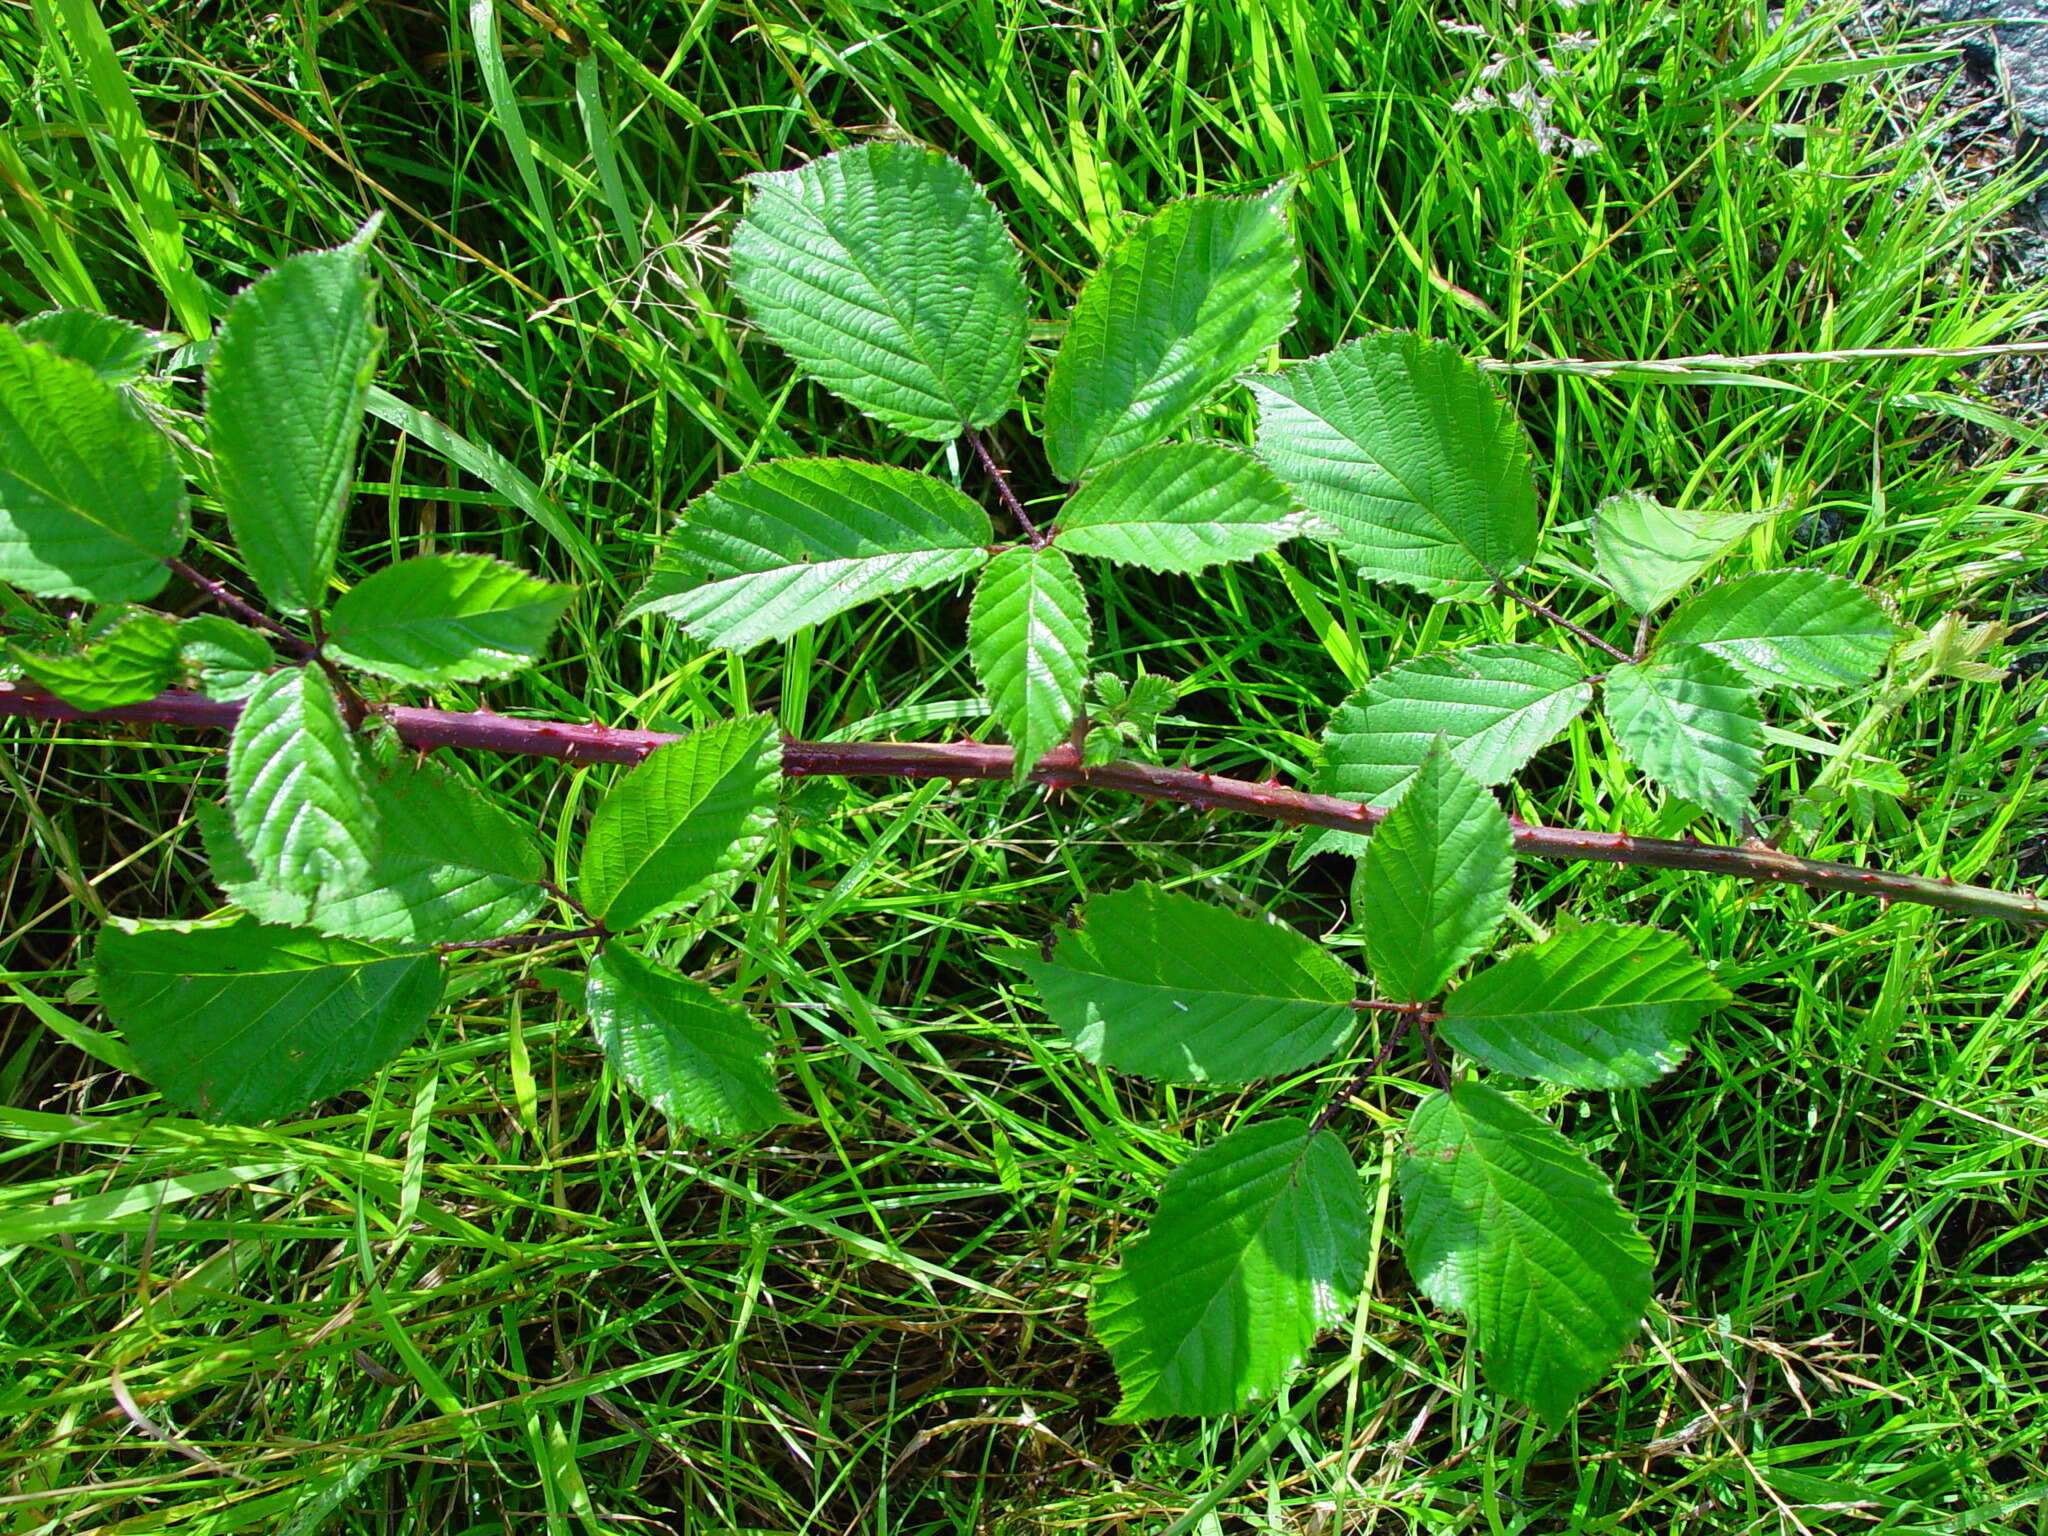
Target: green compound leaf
244 1023
299 793
1507 1222
1126 717
446 866
446 619
220 658
687 822
1180 507
773 548
285 391
1689 721
1187 301
1495 706
91 501
1142 704
1403 448
888 276
114 350
695 1057
1028 632
1804 628
1649 553
1433 886
1258 1245
1601 1005
1161 984
127 657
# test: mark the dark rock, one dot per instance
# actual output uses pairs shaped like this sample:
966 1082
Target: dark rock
1816 529
2018 38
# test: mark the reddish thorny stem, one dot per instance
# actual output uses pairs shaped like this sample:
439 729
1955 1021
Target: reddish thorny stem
1061 768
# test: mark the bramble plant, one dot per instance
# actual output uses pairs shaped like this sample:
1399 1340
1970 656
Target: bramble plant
359 871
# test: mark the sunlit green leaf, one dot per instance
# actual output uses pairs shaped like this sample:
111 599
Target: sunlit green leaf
220 658
446 619
1433 886
285 390
773 548
1689 721
1402 447
1028 633
91 501
1599 1005
1159 983
1649 553
298 790
1183 304
114 350
129 656
1494 705
445 865
1180 507
687 822
887 274
1507 1222
1259 1243
1803 628
695 1057
245 1022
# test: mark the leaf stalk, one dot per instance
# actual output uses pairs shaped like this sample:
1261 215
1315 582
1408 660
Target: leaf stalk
1542 610
1036 536
226 597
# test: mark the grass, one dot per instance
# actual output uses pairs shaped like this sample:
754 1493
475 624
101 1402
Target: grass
491 1293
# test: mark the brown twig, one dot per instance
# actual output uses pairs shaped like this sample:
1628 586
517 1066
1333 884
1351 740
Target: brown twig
513 941
1037 537
1544 611
1061 768
243 609
1406 1014
569 899
354 707
1437 1067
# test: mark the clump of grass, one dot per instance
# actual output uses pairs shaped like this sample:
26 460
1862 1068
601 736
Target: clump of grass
490 1293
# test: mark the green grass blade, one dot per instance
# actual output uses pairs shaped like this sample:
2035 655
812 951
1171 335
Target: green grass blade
143 187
